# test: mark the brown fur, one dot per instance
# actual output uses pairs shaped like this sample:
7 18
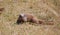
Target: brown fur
30 18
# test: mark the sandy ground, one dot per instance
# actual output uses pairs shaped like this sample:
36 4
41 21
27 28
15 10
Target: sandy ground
47 10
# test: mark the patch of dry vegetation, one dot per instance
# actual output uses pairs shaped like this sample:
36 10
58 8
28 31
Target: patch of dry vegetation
47 10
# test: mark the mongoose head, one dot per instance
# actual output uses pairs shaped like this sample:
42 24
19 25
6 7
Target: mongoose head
22 18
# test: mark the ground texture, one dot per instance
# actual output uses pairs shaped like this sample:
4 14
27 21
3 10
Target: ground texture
48 10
